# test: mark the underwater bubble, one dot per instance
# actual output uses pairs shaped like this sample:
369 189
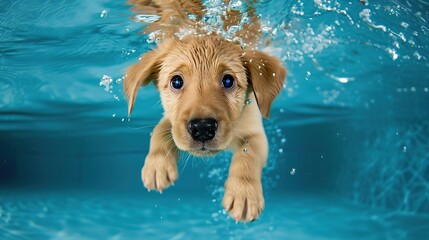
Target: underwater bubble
151 37
396 44
417 55
404 24
245 150
103 14
392 53
307 75
245 19
114 115
283 140
147 18
119 80
404 149
233 29
366 16
235 5
281 150
292 171
426 89
248 101
105 81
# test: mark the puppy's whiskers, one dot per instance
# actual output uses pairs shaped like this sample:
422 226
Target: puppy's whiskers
143 127
186 162
158 104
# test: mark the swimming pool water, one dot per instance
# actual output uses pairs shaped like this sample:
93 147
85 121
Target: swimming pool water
83 215
348 134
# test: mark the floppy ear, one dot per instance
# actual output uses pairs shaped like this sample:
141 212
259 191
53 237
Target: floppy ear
266 75
142 73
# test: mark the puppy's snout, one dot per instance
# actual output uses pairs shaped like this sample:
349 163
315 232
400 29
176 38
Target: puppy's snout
202 129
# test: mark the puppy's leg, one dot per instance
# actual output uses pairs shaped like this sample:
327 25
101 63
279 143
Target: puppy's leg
243 197
160 166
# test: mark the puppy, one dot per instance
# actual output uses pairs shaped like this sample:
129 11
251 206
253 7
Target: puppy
213 93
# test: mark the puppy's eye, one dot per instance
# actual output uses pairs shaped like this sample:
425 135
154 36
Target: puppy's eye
176 82
228 81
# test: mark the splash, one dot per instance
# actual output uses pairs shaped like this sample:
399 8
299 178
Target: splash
107 83
366 16
184 22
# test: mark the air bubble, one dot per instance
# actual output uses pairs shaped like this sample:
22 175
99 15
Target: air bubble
249 101
417 55
404 24
147 18
105 81
235 5
292 171
103 14
392 53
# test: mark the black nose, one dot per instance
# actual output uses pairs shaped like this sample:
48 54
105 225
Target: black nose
202 129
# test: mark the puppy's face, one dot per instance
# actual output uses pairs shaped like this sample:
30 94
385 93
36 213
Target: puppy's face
203 83
203 87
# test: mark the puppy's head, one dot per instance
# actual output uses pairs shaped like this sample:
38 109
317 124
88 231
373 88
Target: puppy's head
204 83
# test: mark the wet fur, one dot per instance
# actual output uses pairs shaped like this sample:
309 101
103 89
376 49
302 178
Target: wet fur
202 61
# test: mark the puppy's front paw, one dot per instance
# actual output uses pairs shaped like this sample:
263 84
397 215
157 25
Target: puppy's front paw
243 198
159 172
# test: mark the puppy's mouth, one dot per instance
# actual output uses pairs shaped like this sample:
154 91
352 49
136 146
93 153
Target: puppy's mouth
203 150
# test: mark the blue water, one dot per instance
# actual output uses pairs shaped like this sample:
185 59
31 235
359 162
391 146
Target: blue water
348 133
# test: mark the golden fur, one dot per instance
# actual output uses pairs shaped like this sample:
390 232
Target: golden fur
202 61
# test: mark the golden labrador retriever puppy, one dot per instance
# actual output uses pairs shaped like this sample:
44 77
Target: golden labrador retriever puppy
213 93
